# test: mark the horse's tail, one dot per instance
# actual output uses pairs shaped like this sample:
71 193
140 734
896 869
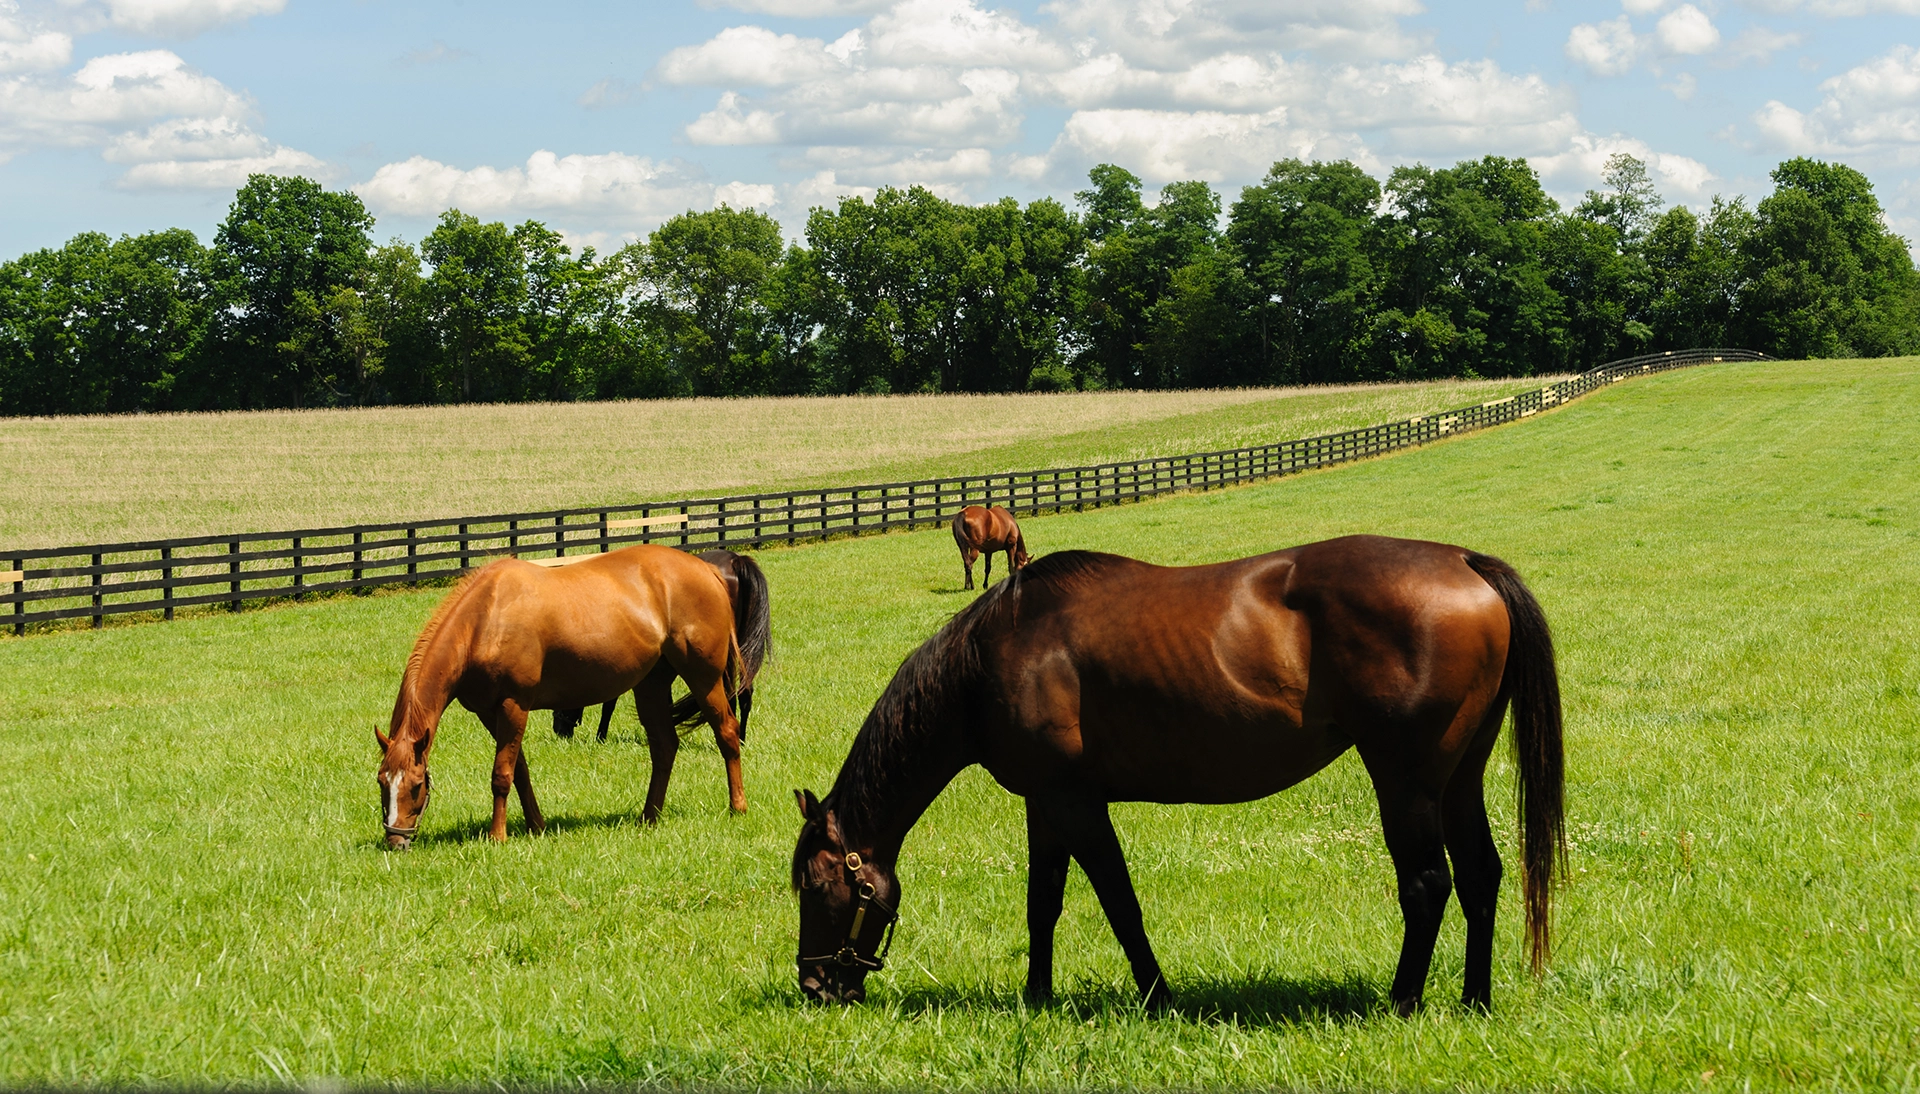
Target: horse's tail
752 618
1532 685
747 647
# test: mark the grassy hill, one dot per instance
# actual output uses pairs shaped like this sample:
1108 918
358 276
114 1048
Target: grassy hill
1730 557
131 477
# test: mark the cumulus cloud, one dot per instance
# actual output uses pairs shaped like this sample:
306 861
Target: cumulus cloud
926 106
1604 49
746 195
1686 30
1582 164
753 57
615 185
1874 107
180 18
1759 44
1176 33
25 48
801 8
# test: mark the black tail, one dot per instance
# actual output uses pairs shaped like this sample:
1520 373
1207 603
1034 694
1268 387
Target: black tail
753 631
1533 687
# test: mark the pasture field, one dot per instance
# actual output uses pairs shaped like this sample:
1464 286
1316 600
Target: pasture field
148 476
193 889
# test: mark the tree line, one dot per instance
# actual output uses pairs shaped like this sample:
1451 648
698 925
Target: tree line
1318 273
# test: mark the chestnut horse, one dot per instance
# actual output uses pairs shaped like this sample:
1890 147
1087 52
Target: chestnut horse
514 637
1088 678
752 625
982 530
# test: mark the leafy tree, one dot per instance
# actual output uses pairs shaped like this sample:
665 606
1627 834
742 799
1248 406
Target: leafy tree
1308 244
1695 273
706 272
286 245
1630 205
474 296
102 326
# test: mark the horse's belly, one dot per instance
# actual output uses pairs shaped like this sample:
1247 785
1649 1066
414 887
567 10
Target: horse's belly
1225 763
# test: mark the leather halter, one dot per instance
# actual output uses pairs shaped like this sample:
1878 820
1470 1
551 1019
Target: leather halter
426 795
847 956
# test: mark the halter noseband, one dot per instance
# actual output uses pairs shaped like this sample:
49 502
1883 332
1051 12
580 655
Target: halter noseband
847 956
426 795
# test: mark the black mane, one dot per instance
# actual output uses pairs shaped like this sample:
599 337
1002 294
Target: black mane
936 685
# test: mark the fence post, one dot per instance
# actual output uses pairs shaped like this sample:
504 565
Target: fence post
559 536
603 532
466 559
412 566
99 617
166 580
233 572
299 578
20 591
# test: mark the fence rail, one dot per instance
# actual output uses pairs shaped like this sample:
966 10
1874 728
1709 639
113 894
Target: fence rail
52 584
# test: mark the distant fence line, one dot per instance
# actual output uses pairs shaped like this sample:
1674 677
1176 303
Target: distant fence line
51 584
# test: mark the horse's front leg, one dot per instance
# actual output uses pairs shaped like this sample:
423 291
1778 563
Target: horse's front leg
1087 830
508 724
1047 861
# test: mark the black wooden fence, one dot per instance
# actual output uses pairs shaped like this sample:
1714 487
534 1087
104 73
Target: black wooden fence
52 584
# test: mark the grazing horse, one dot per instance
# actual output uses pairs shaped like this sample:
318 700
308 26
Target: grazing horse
752 624
1088 678
982 530
514 637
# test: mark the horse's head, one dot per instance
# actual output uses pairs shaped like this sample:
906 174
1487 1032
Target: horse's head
1020 555
847 908
405 786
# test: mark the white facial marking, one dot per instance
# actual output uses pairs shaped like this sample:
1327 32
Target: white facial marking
393 801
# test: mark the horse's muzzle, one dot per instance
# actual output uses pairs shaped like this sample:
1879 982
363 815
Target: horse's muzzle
825 984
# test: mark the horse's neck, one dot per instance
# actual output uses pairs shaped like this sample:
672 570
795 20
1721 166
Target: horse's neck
909 782
427 687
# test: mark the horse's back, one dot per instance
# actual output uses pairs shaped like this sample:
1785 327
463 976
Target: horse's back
1230 681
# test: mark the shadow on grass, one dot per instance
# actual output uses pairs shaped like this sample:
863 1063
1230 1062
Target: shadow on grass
1254 1000
476 831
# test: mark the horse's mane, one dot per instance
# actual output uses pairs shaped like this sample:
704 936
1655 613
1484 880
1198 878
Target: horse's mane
938 685
434 622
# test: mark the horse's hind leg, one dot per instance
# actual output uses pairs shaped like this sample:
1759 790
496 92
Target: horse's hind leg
1084 825
565 721
1410 819
606 715
967 558
726 734
1047 861
654 701
1476 861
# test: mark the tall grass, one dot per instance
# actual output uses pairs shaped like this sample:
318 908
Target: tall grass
131 477
193 889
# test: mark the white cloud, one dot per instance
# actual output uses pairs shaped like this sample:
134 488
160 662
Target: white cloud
1642 7
801 8
184 17
959 32
30 49
1687 30
614 185
746 195
1585 159
1872 107
1177 33
750 57
221 174
922 107
1604 49
1759 44
1164 145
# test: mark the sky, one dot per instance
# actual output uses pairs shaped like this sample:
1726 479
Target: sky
604 119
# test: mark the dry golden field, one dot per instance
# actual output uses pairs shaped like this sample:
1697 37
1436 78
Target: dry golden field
108 479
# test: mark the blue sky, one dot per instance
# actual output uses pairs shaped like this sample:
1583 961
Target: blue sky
602 119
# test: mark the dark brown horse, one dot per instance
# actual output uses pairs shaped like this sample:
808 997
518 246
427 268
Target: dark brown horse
982 530
514 637
1086 679
752 624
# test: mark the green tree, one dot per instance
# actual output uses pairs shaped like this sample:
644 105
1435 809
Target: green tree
285 246
1308 244
707 273
1629 205
474 297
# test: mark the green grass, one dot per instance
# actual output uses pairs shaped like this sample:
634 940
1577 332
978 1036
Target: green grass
148 476
192 889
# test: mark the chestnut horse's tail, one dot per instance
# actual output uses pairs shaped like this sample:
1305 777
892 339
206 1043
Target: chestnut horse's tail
748 648
1532 686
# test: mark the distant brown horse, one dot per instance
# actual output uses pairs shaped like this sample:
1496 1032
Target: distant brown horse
1086 679
982 530
752 624
514 637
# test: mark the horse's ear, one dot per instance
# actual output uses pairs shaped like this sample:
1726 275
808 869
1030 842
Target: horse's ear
809 805
420 746
835 837
382 739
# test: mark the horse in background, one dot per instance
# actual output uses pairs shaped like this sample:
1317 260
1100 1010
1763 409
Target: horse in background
982 530
514 637
1087 678
752 627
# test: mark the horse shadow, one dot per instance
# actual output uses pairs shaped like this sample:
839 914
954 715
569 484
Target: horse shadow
476 831
1257 1000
